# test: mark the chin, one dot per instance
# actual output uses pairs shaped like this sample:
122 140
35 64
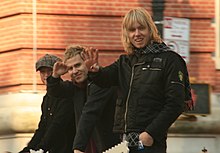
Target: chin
139 46
80 80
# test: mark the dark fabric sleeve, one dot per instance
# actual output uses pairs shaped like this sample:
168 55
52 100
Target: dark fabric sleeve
106 76
92 112
174 97
63 117
35 140
189 103
25 150
56 87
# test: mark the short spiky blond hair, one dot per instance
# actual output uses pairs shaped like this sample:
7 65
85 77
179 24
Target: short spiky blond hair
141 16
73 50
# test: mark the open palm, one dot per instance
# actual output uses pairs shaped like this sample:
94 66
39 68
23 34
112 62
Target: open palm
90 57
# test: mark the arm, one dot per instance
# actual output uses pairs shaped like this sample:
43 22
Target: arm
174 90
106 77
56 87
35 140
38 133
92 112
103 77
63 117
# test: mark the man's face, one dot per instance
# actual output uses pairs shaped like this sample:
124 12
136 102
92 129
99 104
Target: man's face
45 72
139 35
77 69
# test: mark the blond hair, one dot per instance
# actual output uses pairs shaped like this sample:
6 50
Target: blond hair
73 50
141 16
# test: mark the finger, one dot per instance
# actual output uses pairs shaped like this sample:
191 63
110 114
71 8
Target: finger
86 53
90 53
96 56
83 55
56 65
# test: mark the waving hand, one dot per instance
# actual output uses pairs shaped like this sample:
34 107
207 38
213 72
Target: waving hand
90 57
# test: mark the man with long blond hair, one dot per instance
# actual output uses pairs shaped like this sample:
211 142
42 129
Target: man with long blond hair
153 81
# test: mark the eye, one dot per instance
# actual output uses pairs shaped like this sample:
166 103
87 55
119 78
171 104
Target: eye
142 28
78 65
131 29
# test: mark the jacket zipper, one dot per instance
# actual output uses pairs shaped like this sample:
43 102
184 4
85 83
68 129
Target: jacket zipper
129 92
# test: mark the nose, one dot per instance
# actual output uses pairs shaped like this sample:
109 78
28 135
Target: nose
47 74
137 31
73 70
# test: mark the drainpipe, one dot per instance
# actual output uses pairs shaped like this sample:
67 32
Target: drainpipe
158 8
217 34
34 21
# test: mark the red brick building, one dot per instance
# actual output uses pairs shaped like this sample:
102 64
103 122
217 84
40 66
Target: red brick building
93 23
31 28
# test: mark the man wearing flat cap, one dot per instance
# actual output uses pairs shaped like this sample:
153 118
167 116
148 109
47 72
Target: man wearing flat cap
56 128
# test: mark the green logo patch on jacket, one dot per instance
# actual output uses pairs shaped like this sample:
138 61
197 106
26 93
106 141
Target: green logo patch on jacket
180 75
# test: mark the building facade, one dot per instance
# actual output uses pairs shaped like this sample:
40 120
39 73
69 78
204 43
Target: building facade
31 28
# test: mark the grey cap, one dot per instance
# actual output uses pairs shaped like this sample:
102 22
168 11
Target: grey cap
47 61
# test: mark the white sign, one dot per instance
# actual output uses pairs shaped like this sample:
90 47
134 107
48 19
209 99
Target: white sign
176 35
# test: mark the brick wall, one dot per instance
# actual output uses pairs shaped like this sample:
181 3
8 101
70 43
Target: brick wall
202 37
94 23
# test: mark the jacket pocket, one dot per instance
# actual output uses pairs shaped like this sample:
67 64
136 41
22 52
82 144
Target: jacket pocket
119 111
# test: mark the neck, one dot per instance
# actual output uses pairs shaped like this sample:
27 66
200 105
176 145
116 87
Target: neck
81 84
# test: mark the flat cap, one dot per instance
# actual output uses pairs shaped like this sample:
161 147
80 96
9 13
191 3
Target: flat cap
47 60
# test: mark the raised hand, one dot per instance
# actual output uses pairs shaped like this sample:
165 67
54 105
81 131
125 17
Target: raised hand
59 69
90 57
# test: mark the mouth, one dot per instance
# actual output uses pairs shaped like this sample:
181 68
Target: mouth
138 40
76 77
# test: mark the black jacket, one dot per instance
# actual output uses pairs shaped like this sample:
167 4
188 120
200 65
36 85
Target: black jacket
56 129
97 98
152 91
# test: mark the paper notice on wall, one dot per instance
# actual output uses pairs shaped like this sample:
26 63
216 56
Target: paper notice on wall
176 35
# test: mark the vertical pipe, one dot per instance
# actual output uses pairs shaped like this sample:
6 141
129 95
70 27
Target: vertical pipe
158 7
34 22
217 29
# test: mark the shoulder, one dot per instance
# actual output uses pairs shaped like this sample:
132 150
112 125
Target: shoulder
95 89
123 56
58 100
171 56
92 86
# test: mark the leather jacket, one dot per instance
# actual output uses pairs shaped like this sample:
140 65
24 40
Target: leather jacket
56 129
99 99
152 89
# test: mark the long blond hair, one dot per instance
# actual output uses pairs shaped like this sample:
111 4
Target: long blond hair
141 16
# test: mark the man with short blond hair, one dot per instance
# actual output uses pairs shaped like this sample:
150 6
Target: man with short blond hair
82 91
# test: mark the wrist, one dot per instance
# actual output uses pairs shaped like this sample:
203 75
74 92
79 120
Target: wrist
55 75
95 67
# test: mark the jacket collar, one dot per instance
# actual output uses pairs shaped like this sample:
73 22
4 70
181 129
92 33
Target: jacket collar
152 48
